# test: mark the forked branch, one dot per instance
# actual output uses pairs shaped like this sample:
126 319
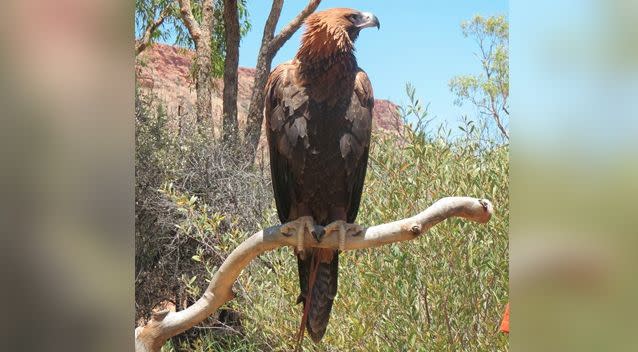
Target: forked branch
164 325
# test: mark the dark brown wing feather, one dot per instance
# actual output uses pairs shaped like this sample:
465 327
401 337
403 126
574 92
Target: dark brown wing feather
284 102
287 115
361 116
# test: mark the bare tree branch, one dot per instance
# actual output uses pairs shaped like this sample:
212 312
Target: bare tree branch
293 26
190 22
165 324
271 23
145 40
497 117
262 70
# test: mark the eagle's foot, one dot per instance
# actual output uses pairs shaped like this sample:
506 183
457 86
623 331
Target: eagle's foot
343 229
299 227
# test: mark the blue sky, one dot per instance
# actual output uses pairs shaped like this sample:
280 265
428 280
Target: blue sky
419 42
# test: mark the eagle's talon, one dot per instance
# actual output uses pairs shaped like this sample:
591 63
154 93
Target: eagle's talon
299 227
344 229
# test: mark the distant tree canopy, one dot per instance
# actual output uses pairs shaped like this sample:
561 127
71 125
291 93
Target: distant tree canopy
489 90
210 28
166 13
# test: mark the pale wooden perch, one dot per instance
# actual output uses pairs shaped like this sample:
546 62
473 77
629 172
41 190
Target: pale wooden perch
165 324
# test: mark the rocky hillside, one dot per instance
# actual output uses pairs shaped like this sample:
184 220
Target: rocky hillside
164 71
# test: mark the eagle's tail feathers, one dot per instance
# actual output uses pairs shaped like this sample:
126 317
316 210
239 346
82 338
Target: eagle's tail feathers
324 290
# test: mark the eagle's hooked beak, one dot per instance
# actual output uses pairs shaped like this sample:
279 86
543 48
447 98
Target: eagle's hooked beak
368 19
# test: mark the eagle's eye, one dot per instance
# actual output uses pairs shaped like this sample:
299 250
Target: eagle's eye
354 18
362 20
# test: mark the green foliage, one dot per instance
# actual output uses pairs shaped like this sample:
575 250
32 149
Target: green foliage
444 291
194 197
147 11
218 44
489 90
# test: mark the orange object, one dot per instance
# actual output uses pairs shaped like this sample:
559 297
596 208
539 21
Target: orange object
505 323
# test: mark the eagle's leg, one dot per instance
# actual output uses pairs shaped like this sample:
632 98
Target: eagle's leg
298 227
343 229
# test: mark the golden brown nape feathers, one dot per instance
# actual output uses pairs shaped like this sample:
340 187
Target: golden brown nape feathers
332 32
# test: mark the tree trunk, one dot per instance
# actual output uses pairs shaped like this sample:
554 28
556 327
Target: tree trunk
201 35
262 70
203 83
255 116
231 64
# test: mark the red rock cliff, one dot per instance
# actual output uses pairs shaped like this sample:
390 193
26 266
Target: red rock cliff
164 70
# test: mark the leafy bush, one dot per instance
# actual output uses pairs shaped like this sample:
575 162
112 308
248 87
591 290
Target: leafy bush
193 194
443 291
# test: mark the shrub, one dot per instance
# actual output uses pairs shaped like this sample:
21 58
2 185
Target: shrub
193 194
444 291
